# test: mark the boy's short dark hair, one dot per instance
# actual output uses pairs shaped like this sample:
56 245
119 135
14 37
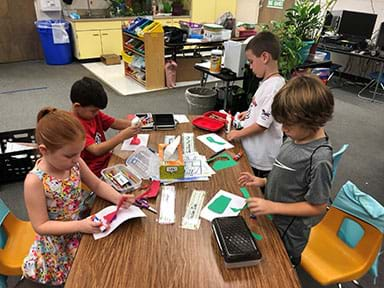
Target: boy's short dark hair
264 42
89 92
304 101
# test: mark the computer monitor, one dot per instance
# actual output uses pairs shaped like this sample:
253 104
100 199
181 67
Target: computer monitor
356 25
380 38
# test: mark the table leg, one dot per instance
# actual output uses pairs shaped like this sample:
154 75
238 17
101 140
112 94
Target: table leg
204 79
227 87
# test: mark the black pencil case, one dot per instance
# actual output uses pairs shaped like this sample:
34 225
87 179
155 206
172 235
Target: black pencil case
235 241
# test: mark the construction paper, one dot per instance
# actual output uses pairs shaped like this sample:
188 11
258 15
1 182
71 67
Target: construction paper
127 146
123 215
220 204
236 202
257 236
221 163
215 142
245 192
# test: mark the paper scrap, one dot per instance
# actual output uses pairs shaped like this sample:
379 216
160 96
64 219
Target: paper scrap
222 161
122 216
127 146
181 118
215 142
257 236
167 205
235 203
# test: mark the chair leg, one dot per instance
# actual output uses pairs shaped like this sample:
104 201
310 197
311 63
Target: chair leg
359 94
356 283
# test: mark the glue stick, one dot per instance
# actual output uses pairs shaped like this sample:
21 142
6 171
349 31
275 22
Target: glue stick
228 123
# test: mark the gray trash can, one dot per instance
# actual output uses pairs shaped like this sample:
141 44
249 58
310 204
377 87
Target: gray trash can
200 100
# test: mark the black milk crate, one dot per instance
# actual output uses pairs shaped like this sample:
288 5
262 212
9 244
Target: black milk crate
14 166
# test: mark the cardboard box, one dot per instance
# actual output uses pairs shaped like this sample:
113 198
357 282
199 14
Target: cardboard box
171 169
185 70
110 59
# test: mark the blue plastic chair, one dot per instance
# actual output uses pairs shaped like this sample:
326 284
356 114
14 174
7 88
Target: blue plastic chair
374 79
336 159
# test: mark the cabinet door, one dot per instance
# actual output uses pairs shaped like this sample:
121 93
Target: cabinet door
223 6
112 41
203 11
88 44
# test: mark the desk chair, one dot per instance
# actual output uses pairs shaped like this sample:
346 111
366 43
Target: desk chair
16 238
375 81
347 241
336 159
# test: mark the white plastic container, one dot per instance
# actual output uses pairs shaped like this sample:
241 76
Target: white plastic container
122 178
141 164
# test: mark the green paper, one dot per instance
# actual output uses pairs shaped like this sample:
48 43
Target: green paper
220 204
245 192
257 236
238 209
270 217
223 164
210 139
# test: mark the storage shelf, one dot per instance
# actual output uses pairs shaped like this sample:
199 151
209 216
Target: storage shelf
134 51
153 57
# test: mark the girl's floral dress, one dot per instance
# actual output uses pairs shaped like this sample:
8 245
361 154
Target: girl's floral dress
51 256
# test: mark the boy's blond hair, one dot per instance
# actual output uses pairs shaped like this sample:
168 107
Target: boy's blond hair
304 101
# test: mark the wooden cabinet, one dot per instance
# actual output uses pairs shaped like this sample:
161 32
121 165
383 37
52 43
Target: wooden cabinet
94 38
207 11
144 57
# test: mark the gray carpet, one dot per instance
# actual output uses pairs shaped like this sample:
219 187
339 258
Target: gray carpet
27 86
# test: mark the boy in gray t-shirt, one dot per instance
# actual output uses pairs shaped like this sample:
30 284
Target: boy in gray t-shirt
298 187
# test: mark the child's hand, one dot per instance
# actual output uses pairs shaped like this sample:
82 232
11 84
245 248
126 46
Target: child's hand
247 179
129 199
130 132
233 135
260 206
242 115
90 226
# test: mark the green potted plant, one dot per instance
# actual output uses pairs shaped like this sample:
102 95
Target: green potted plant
308 17
290 43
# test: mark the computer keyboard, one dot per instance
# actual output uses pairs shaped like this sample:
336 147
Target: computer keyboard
337 47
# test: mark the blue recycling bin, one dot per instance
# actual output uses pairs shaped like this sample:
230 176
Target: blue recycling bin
55 38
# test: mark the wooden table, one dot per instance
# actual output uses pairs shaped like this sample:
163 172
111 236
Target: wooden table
143 253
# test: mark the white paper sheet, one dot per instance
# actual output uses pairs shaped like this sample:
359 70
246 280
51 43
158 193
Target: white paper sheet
122 215
181 118
127 146
236 202
218 144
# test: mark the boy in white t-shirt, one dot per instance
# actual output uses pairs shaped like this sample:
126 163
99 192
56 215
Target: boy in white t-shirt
262 136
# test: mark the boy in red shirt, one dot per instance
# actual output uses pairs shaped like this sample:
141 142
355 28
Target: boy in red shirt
88 98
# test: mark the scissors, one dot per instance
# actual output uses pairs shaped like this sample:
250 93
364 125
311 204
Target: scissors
143 203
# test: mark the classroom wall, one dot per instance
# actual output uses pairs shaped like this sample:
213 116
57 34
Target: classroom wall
247 11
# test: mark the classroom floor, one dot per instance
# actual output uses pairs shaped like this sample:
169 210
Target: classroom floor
25 87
